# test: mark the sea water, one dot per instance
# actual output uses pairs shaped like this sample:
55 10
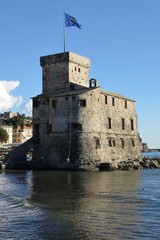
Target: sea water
80 205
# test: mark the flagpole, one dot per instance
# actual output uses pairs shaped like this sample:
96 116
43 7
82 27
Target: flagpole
64 33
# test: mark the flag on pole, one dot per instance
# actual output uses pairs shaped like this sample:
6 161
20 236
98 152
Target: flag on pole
71 21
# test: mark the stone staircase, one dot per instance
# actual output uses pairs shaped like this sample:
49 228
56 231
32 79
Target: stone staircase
17 158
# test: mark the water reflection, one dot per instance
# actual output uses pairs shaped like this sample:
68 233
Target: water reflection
92 205
80 205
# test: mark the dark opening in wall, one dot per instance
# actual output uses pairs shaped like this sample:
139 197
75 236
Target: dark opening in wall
125 104
97 141
74 98
54 103
35 102
82 102
76 126
109 123
133 143
132 124
36 130
106 100
122 142
123 124
109 142
113 101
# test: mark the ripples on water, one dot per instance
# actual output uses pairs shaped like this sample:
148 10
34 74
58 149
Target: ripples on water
80 205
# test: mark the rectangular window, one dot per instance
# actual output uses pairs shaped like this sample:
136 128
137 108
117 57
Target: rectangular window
133 143
109 123
82 102
113 101
106 100
98 145
123 124
77 126
132 124
125 104
74 98
114 143
79 70
35 102
54 103
109 142
122 142
49 128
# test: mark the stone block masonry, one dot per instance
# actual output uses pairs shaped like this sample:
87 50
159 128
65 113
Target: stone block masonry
79 125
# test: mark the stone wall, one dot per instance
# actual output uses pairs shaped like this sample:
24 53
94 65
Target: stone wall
82 127
81 120
59 70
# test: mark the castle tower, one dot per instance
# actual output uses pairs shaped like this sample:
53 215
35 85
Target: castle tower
75 120
62 71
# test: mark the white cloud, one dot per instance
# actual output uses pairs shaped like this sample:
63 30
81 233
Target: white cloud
7 100
28 108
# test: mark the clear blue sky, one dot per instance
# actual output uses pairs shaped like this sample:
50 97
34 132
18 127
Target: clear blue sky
121 37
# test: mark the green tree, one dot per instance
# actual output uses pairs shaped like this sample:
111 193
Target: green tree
3 135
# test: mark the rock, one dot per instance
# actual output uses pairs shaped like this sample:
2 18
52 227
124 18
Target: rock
154 164
107 166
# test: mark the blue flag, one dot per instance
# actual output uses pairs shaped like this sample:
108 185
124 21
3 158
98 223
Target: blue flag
71 21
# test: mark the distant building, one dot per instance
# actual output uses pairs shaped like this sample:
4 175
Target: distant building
21 134
77 122
9 114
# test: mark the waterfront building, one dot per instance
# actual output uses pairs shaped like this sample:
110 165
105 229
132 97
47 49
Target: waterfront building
79 125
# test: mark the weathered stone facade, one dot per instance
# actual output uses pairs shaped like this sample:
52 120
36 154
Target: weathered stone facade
79 125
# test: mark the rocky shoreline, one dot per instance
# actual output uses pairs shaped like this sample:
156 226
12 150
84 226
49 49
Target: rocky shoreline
145 163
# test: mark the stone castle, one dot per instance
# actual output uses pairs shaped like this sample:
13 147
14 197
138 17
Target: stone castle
78 125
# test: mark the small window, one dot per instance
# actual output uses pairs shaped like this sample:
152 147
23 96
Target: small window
109 142
132 124
75 68
98 145
49 128
54 103
123 124
133 143
122 142
113 101
106 100
125 104
74 98
114 143
77 126
109 123
79 70
82 102
35 103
